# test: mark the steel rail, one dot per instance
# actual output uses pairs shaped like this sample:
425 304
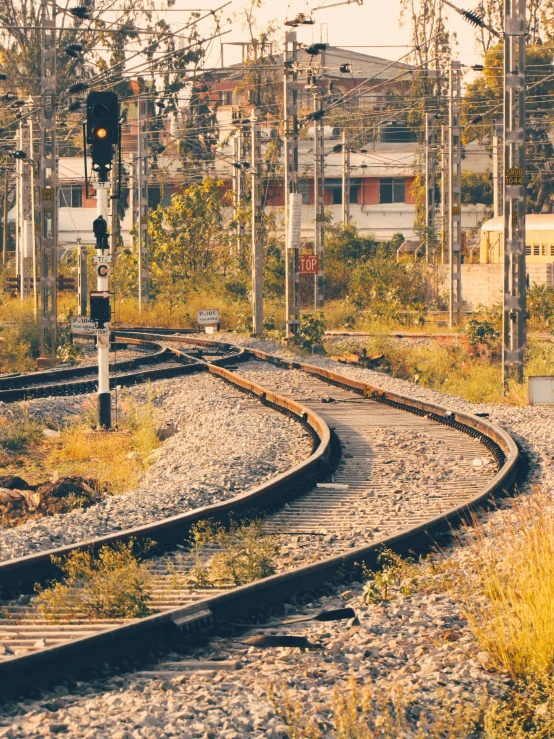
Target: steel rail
43 667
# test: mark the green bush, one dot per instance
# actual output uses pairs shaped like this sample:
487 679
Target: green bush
244 553
113 584
540 306
311 331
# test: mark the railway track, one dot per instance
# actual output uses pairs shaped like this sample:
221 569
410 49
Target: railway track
331 512
160 362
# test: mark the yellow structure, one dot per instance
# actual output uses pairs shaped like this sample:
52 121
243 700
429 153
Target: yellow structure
539 239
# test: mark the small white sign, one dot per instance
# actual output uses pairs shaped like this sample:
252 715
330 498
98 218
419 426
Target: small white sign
207 317
101 331
82 325
541 390
102 259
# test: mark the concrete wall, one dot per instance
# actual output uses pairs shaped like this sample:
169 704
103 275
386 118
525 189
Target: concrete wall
482 283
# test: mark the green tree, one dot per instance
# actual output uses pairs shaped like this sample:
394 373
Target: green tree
345 250
390 289
477 188
482 104
189 239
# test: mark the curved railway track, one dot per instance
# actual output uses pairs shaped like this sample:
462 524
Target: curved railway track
328 504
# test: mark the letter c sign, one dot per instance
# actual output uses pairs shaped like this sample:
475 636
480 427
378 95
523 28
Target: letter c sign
103 270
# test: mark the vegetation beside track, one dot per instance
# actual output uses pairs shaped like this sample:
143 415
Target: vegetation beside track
113 584
44 452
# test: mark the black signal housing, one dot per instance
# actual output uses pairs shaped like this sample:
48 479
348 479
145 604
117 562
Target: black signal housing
102 127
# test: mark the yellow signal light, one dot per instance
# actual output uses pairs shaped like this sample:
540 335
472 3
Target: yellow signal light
101 132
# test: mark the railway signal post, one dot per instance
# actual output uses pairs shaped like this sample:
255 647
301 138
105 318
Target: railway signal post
102 135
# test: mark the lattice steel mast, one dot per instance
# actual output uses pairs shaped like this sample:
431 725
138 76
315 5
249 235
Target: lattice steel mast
514 302
47 210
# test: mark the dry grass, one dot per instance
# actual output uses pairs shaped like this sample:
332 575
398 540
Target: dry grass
371 712
506 590
116 459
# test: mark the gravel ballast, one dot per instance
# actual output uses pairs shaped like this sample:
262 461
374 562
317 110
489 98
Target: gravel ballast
420 643
226 443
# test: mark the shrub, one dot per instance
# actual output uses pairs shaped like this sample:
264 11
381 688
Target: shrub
244 553
540 305
112 585
311 331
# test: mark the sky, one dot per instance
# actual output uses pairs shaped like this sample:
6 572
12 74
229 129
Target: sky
373 25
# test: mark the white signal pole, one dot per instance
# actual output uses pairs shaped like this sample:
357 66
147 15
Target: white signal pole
103 335
514 328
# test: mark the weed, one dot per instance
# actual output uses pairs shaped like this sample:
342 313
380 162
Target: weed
112 585
115 459
17 433
244 553
505 589
311 331
397 576
372 712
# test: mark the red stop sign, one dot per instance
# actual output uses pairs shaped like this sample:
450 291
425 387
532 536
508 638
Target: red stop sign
308 264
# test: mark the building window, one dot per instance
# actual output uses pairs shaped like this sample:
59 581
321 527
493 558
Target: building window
552 250
304 190
392 190
71 196
226 97
536 250
355 188
544 250
528 249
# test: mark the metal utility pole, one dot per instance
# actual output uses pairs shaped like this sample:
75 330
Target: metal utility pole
33 214
25 212
238 184
290 107
18 206
319 197
48 198
142 190
257 246
114 216
455 192
430 179
444 192
345 180
496 168
5 213
514 329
